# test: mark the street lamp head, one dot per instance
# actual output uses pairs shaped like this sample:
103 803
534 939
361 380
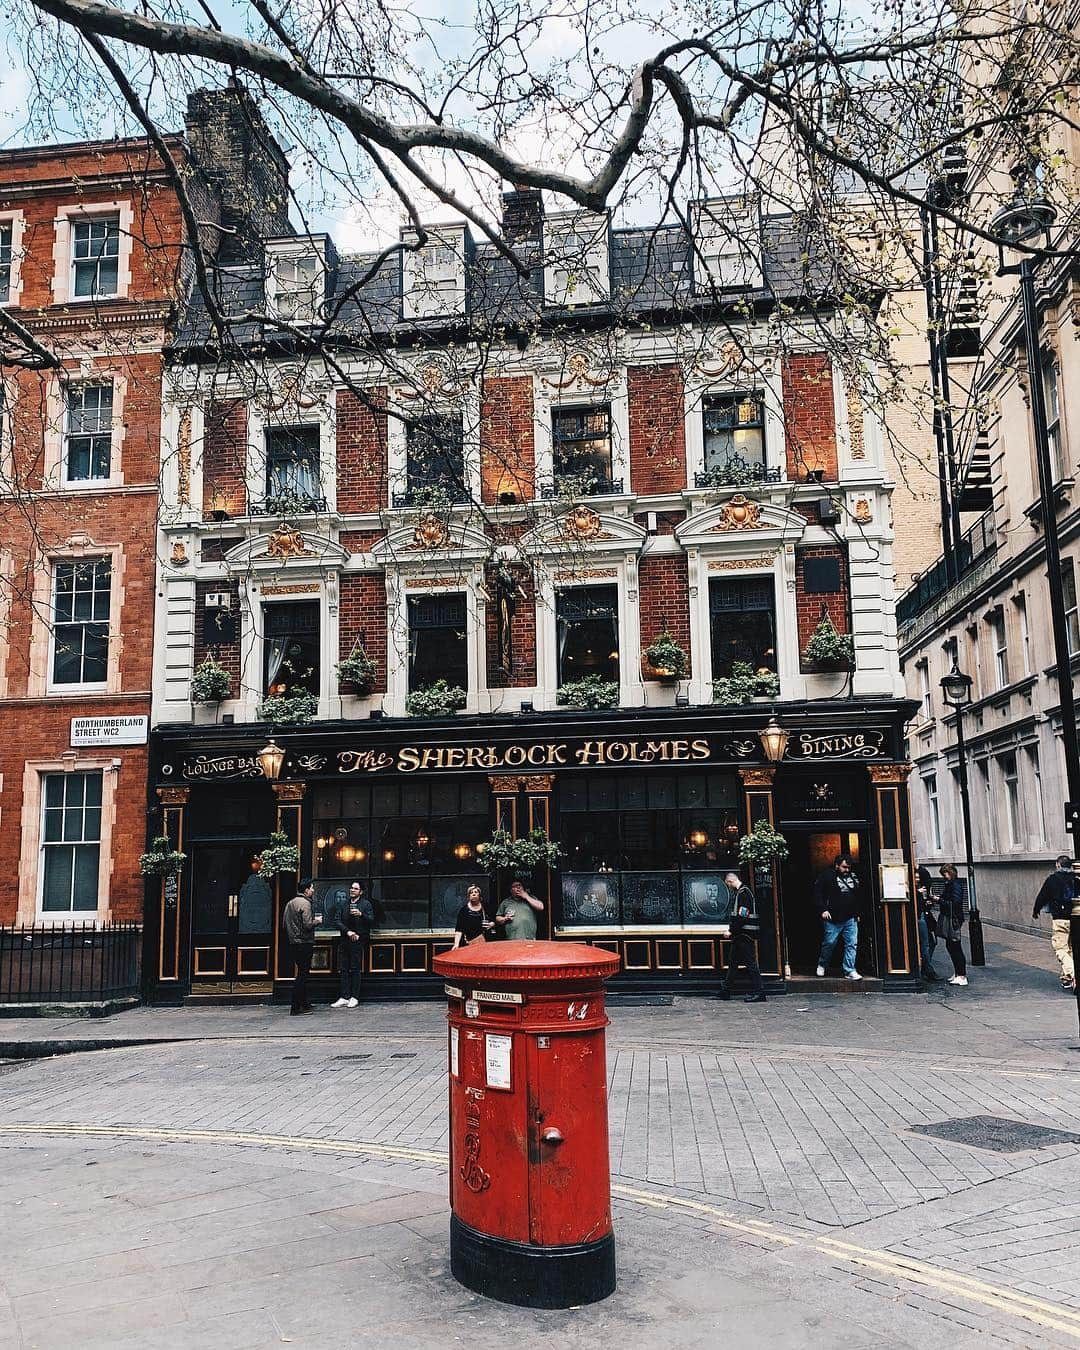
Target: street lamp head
956 687
1022 221
774 741
271 757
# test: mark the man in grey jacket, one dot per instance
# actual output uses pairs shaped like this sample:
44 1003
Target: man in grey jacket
298 920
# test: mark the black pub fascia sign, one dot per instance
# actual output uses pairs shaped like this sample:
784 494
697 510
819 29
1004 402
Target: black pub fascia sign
811 745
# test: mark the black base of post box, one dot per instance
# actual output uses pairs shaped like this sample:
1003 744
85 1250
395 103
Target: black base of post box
532 1277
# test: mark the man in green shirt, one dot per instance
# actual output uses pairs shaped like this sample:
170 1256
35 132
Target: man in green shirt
517 914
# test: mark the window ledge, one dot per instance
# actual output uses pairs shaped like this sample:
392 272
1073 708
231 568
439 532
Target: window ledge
1061 490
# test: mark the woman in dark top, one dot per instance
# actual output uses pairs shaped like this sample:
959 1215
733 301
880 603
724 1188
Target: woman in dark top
952 911
472 920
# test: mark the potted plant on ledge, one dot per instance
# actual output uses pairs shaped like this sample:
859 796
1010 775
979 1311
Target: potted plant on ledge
291 709
745 684
828 649
665 659
591 691
279 855
437 700
162 860
762 847
520 856
356 674
210 682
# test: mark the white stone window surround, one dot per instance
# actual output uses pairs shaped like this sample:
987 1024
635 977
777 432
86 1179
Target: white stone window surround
9 393
728 243
31 862
54 469
261 419
303 246
753 377
581 393
40 682
584 239
401 583
431 290
555 575
63 262
17 222
405 405
7 569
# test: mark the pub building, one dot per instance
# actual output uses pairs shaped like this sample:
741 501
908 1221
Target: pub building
602 477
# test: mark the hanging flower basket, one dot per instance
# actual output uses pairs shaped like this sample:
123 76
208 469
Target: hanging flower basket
289 710
357 673
162 860
437 700
763 846
210 682
279 855
665 659
828 649
744 684
589 692
520 856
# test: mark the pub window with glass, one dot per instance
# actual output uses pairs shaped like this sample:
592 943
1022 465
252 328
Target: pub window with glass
438 646
647 849
293 474
581 447
587 633
435 458
291 647
733 427
742 621
412 845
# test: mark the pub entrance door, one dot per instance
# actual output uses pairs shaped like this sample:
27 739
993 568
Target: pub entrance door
811 851
233 933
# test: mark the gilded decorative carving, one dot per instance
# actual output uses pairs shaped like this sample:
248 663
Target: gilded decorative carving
855 423
173 796
178 557
287 542
882 775
183 459
435 380
539 782
581 523
434 583
590 573
579 371
431 532
758 777
863 512
505 783
297 588
739 564
732 359
289 793
740 513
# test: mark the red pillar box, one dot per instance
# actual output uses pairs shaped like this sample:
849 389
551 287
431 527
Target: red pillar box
530 1184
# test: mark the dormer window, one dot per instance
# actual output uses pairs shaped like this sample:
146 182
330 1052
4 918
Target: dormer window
576 253
433 276
727 254
296 281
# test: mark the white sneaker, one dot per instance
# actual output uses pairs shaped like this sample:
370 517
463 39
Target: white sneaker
353 1003
958 979
341 1003
853 975
821 972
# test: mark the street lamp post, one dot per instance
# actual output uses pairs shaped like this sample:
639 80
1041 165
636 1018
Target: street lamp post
1023 220
956 688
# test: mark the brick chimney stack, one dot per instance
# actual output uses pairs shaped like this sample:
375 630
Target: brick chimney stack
523 217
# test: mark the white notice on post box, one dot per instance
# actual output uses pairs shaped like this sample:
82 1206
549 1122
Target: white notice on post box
454 1051
497 1056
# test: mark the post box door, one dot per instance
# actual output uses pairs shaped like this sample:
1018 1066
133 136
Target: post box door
569 1184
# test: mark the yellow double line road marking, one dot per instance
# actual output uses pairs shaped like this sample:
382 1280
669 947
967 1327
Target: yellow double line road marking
1052 1316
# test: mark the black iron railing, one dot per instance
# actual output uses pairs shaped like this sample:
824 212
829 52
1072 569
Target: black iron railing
974 545
736 472
580 487
434 498
82 963
290 504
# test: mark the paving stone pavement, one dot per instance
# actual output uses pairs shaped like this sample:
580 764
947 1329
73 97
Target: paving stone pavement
795 1126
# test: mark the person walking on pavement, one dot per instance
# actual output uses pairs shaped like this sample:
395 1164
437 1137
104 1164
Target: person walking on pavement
839 903
353 921
952 911
298 920
924 897
473 924
745 930
1058 892
516 916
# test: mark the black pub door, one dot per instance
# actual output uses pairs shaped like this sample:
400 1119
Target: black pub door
232 921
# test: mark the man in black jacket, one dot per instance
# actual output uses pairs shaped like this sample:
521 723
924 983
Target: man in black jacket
837 892
353 921
1057 895
745 930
